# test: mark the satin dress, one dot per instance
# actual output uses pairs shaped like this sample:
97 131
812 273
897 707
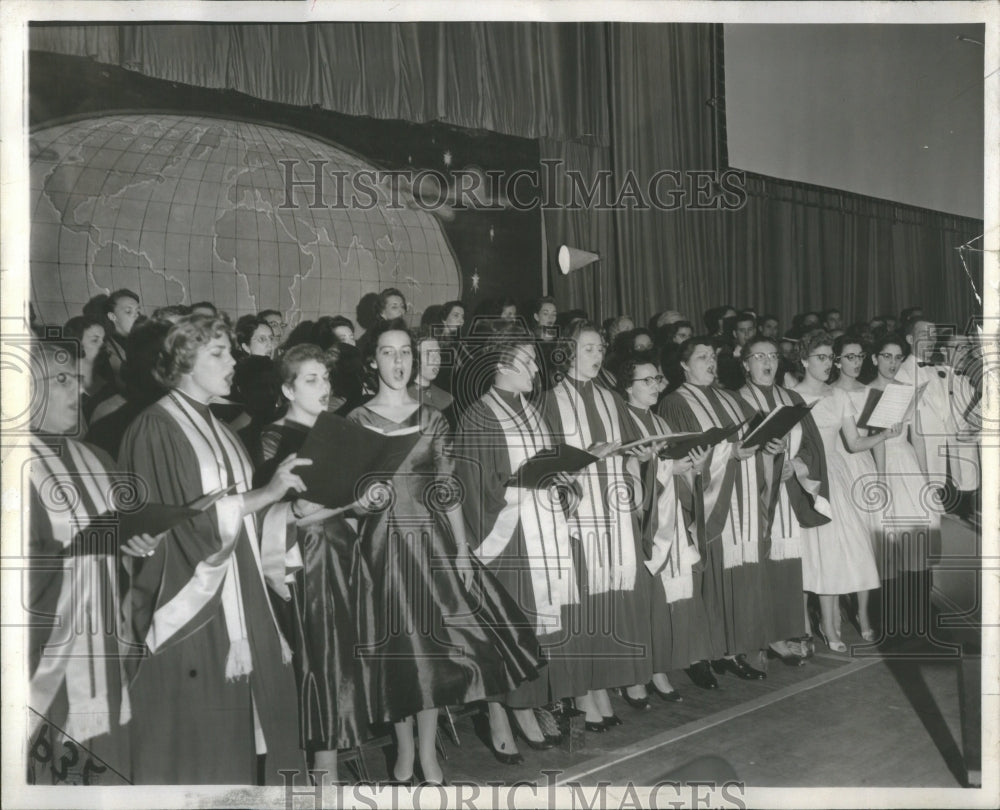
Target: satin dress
435 643
324 618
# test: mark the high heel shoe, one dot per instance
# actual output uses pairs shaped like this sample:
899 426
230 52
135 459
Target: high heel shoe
543 745
597 728
835 646
639 704
613 720
673 696
505 758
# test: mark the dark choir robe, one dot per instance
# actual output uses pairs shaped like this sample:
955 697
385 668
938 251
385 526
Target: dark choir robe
787 506
521 536
604 526
681 631
322 608
79 702
217 687
735 585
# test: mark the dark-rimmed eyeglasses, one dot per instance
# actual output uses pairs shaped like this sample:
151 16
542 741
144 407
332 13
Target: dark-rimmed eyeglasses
657 380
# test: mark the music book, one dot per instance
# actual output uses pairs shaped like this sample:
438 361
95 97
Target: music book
776 424
154 518
539 471
883 409
343 453
680 444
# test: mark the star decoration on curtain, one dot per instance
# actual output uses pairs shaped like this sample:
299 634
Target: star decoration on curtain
475 281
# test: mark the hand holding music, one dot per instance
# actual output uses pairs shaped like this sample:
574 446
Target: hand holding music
142 545
603 449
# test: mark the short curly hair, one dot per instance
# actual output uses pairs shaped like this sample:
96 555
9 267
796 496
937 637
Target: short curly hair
812 341
292 360
181 345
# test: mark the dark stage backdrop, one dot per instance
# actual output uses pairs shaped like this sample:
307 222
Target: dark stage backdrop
599 97
484 255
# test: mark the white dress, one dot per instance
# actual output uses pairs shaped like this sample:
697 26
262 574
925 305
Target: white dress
837 557
864 475
910 524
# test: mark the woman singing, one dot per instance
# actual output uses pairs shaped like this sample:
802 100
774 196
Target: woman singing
798 495
837 557
735 587
325 604
614 599
446 631
217 689
678 620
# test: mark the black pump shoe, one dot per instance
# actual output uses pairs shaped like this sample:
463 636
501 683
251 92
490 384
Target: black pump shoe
613 720
543 745
701 675
639 704
597 728
504 758
673 696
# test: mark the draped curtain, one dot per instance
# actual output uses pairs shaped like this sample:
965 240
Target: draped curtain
598 96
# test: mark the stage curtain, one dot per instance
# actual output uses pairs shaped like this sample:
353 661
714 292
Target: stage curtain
531 80
630 98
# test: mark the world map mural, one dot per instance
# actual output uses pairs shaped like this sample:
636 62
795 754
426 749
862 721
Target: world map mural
188 208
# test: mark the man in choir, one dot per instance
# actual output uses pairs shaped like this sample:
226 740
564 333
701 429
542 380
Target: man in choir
769 326
77 694
276 322
730 369
940 412
122 310
545 313
832 320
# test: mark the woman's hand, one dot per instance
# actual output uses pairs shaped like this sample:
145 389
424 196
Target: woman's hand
699 458
284 479
774 447
743 453
603 449
142 545
643 453
893 432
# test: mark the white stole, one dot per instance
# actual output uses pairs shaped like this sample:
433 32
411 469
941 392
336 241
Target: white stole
606 535
543 525
785 530
76 652
739 539
673 555
218 570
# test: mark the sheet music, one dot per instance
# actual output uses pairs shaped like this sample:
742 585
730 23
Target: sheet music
892 407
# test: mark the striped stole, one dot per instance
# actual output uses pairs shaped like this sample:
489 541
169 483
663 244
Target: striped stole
603 521
216 577
740 532
673 552
785 529
74 490
543 525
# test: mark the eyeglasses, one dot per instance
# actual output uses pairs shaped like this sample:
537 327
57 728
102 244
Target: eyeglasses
659 378
276 324
887 356
852 357
763 356
822 357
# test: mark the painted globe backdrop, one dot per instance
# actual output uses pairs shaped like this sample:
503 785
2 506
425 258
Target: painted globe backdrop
184 208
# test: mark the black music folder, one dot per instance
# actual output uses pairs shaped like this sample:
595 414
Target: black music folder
539 471
343 453
680 444
776 425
